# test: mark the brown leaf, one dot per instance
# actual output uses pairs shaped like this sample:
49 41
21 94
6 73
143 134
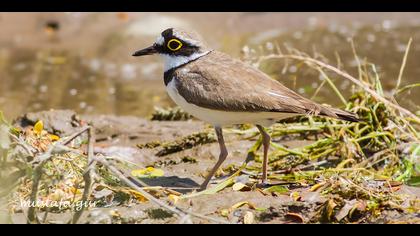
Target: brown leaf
240 187
295 217
344 211
330 208
249 218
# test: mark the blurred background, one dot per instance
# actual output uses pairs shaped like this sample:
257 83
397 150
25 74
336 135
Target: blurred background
82 61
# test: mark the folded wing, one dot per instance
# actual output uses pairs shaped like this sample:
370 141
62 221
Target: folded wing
219 82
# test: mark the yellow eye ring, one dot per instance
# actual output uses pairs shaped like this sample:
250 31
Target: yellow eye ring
174 40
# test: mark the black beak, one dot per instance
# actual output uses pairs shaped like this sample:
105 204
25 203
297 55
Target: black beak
147 51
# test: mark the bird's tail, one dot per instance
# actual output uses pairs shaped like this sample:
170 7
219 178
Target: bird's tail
339 114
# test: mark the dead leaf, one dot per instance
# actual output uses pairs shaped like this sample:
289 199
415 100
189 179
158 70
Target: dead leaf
137 195
295 217
240 187
102 193
344 211
394 183
54 137
249 218
330 208
296 196
38 127
149 172
240 204
75 191
173 198
277 189
317 186
224 212
173 192
360 206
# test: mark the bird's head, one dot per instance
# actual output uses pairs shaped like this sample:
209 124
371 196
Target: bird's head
177 47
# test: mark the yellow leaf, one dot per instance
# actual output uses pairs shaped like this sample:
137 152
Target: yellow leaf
317 186
75 190
157 173
54 137
249 218
38 127
224 212
296 196
138 173
147 173
138 196
239 204
173 198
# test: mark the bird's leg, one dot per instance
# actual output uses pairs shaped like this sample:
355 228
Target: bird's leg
266 139
222 157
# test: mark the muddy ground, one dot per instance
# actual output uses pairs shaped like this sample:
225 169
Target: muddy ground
120 136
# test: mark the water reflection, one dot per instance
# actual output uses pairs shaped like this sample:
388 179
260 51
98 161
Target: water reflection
84 64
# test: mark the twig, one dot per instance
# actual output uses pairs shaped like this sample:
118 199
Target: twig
181 213
123 178
75 135
87 176
32 217
30 150
59 147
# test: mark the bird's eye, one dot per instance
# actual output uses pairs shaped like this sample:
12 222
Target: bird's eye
174 45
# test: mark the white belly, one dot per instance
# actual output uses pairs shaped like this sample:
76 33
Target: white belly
220 118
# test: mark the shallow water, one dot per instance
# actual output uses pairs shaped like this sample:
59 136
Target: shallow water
86 65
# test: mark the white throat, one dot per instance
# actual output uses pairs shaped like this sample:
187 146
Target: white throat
175 61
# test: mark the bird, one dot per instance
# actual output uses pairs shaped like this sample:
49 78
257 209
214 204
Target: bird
221 90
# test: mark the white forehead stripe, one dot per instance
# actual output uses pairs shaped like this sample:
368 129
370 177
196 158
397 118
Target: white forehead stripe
160 40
